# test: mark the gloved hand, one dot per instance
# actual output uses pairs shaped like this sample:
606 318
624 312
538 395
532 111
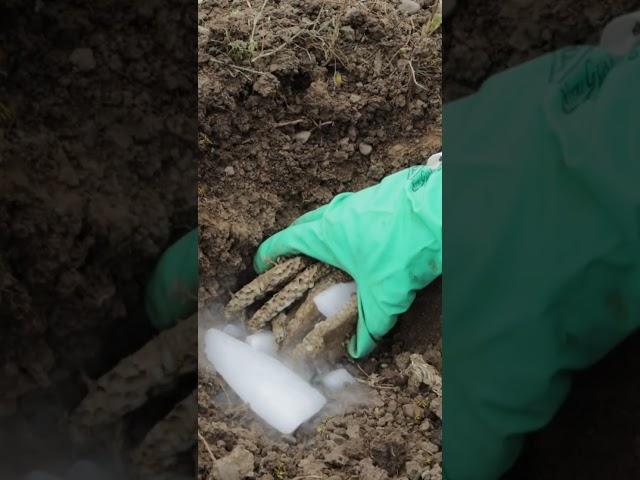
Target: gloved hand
543 229
388 237
172 291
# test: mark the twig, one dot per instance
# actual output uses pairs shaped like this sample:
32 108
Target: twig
255 22
372 384
413 76
291 122
362 370
237 67
276 50
206 445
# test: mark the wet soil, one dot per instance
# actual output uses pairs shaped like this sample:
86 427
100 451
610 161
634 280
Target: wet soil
595 434
292 96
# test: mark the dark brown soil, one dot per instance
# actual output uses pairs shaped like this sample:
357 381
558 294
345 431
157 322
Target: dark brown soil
595 434
255 176
280 136
96 180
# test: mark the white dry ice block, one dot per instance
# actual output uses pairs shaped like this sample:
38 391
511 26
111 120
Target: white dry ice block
337 379
234 330
264 342
273 391
330 301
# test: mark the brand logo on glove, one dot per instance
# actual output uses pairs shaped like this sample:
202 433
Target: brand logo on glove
580 88
418 177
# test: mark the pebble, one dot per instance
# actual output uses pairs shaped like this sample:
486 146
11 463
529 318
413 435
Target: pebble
302 136
365 148
83 59
354 98
238 464
409 7
230 170
413 411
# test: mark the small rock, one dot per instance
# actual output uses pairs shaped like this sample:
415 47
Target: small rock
302 136
83 59
355 98
409 7
229 170
365 148
238 464
413 411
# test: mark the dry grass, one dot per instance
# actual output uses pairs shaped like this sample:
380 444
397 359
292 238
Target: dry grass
256 36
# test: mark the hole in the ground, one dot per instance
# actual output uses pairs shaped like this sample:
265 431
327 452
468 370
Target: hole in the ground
296 82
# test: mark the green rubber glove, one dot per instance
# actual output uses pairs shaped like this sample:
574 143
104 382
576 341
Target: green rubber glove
542 212
388 237
172 292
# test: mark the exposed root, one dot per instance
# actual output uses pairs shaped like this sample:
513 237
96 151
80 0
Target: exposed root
172 436
328 336
307 315
126 387
289 294
303 332
265 283
279 328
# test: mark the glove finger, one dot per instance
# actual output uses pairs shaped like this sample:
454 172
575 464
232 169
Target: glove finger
172 291
298 239
311 216
373 324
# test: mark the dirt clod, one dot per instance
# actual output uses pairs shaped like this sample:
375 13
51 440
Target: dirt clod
235 466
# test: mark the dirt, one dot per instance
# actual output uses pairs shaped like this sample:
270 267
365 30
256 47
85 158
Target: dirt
256 176
97 133
391 430
595 434
299 101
